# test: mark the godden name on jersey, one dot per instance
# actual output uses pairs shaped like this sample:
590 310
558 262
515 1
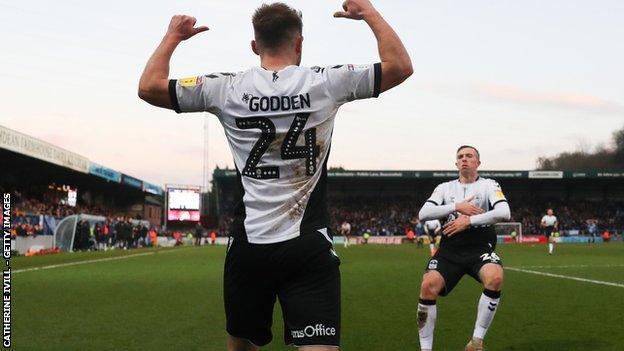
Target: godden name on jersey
279 127
279 103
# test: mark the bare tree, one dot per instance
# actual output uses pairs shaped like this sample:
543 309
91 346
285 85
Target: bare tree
602 158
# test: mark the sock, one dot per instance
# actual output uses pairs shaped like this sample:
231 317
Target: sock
432 249
551 246
427 313
488 304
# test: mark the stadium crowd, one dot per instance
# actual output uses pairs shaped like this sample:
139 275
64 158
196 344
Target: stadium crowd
378 217
34 216
383 217
574 217
49 205
396 216
122 232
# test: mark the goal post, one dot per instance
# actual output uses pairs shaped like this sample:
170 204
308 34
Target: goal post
511 230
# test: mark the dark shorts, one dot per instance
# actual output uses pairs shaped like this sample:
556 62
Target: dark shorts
548 231
453 263
302 273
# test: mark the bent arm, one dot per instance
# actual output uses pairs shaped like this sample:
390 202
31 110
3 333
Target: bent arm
154 83
499 213
396 65
430 211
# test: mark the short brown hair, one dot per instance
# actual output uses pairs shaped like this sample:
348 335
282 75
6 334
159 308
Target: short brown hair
276 24
471 147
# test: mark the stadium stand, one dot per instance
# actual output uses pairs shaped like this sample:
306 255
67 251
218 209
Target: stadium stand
387 202
48 184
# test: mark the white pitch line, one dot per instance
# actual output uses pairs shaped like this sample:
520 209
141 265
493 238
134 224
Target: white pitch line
88 261
565 277
578 266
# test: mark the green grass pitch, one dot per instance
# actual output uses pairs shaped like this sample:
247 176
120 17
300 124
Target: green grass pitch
171 299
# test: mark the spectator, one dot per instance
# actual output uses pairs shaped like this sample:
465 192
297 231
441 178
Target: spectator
199 232
213 237
153 235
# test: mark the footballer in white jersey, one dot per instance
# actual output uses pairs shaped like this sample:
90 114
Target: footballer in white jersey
278 119
550 224
484 193
469 206
433 228
279 126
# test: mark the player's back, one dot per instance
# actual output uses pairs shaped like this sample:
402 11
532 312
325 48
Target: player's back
279 127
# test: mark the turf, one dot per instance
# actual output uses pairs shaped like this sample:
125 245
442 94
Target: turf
172 300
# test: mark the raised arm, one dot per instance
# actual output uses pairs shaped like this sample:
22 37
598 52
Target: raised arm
396 64
154 83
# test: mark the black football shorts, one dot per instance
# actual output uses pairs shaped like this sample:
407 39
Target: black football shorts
452 263
302 273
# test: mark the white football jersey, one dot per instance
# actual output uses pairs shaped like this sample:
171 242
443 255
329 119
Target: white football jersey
432 225
279 127
487 193
549 221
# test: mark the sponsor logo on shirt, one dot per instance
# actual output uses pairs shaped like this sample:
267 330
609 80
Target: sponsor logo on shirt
312 331
191 81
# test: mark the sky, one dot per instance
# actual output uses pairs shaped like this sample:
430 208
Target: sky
517 79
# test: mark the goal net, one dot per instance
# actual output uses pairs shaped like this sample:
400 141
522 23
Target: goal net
509 231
